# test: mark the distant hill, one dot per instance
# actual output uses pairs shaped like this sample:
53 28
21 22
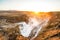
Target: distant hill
19 15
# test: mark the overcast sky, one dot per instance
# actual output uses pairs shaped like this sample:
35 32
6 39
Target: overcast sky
26 5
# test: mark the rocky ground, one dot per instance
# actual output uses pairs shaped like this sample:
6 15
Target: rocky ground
10 31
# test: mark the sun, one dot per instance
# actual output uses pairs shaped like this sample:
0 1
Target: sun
36 11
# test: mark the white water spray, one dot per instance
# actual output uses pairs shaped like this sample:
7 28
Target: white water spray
33 27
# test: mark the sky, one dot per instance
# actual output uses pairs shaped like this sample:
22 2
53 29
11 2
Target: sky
30 5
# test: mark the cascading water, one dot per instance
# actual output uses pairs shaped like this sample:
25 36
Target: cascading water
33 27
